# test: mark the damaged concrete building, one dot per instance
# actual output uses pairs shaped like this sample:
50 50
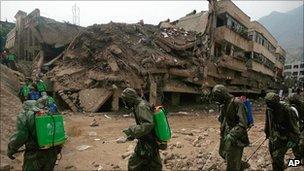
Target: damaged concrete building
247 58
35 36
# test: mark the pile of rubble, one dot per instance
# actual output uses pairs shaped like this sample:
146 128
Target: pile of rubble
10 106
104 59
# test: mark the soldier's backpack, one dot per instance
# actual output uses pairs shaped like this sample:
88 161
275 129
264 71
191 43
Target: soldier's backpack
162 127
50 130
34 95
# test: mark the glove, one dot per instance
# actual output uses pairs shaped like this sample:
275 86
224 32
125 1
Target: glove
10 155
291 144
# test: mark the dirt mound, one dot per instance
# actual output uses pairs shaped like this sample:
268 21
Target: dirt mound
10 105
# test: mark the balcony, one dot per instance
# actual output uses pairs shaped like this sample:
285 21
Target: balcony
258 48
224 33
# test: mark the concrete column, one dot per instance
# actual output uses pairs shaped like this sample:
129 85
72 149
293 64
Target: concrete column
175 98
115 100
153 91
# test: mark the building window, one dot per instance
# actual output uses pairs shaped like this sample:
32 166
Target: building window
287 73
302 65
296 66
295 73
301 72
287 67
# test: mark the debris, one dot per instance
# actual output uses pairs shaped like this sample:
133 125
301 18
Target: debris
121 140
92 99
183 113
99 168
82 147
69 167
94 123
179 145
127 154
92 133
108 117
5 167
211 111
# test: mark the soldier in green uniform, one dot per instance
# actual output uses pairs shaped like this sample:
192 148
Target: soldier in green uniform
294 101
234 126
35 159
280 128
11 58
25 90
146 154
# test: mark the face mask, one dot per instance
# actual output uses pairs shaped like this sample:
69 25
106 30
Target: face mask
127 106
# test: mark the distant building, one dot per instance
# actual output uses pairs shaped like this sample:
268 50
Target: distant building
294 70
34 34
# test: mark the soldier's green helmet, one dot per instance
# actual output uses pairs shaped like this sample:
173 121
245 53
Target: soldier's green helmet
272 99
129 95
219 93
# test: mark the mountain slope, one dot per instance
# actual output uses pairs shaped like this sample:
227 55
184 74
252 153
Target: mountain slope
287 28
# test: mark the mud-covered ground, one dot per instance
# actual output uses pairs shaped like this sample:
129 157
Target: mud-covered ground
194 144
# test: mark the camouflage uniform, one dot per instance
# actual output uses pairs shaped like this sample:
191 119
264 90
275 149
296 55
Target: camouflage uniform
294 100
146 154
281 128
234 125
35 159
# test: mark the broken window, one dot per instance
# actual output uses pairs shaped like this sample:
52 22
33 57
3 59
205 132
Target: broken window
287 67
302 65
221 20
301 72
295 73
228 49
296 66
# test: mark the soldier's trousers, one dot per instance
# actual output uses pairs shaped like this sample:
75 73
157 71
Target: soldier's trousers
277 151
222 148
39 160
145 157
233 156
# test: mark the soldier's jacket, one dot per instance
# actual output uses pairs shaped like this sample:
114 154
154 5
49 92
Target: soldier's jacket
283 123
144 128
34 158
26 132
234 121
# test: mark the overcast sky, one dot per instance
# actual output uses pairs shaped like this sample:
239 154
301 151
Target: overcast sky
151 12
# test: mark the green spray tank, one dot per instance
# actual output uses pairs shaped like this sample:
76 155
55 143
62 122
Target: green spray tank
162 127
50 130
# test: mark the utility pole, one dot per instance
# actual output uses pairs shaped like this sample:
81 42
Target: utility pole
76 14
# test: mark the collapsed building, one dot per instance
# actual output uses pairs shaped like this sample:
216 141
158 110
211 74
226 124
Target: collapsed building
35 36
172 63
246 57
